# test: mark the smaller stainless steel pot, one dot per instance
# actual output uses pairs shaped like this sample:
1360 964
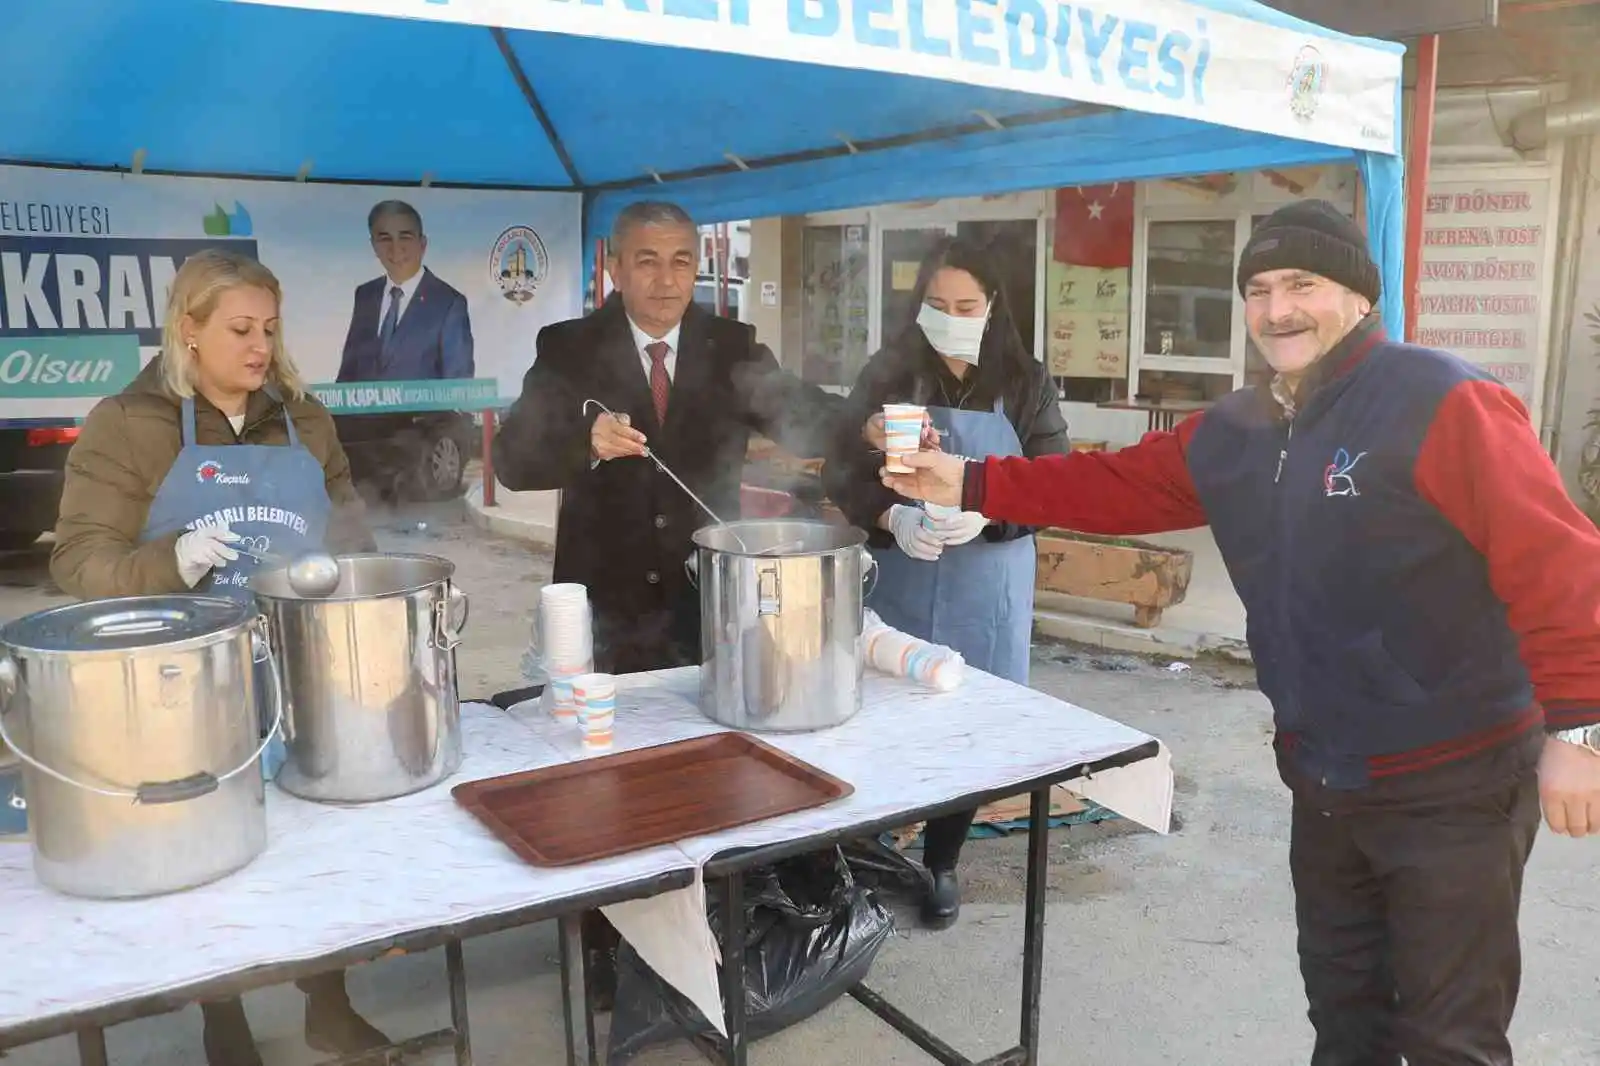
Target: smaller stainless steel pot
369 677
780 623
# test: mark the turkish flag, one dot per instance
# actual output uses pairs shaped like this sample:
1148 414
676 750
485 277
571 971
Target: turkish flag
1094 225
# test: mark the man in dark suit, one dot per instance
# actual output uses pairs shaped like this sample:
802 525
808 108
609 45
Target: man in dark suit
407 325
693 386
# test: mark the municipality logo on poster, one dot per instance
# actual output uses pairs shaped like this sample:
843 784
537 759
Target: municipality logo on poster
1308 80
519 264
220 223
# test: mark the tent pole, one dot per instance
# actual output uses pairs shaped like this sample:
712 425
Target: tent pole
1418 157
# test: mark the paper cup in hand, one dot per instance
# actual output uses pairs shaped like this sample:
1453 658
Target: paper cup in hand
902 430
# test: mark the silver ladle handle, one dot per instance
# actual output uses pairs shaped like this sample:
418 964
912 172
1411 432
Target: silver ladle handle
651 455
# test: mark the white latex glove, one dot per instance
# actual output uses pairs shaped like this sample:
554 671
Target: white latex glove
201 549
957 528
914 539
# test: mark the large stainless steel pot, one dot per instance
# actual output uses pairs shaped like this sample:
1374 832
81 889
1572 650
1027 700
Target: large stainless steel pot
369 677
136 720
780 623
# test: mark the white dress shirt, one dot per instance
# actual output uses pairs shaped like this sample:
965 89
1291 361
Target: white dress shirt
641 339
408 289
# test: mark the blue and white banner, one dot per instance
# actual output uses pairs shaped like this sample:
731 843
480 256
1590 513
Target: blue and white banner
1228 62
87 259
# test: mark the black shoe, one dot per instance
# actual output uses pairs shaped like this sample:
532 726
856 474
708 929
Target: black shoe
600 971
228 1040
334 1028
943 905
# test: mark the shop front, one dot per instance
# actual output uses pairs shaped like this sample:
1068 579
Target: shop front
1127 290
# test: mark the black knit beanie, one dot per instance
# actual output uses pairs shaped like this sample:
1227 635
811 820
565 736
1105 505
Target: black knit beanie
1314 236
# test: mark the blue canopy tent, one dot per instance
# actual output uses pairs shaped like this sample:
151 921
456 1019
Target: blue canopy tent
733 108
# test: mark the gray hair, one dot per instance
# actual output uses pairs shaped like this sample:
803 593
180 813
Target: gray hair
649 213
396 208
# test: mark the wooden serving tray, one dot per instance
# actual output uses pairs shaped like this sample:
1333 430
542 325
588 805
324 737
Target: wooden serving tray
597 808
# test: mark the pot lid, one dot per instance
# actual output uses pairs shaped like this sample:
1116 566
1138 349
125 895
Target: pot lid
124 624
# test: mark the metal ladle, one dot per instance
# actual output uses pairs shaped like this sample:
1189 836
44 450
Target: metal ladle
651 455
314 575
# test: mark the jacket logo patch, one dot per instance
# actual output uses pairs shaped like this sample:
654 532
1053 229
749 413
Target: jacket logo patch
1337 479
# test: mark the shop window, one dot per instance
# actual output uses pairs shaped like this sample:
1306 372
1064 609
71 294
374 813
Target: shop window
1088 284
834 304
1189 295
1182 387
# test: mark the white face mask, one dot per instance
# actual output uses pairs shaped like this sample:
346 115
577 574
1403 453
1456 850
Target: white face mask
952 335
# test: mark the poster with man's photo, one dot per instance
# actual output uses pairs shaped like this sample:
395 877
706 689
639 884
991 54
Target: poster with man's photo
395 299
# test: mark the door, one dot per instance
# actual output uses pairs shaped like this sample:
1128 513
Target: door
902 253
1014 243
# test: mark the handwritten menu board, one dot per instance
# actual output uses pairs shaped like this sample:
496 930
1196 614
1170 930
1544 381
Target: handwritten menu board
1482 275
1086 317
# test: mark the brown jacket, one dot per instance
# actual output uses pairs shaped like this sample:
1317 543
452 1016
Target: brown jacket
129 443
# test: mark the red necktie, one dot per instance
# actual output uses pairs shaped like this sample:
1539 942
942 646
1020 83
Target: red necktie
660 384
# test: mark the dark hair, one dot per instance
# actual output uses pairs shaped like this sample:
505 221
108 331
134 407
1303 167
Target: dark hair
1001 355
648 213
393 207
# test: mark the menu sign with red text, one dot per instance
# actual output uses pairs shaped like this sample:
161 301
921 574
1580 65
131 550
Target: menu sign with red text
1482 275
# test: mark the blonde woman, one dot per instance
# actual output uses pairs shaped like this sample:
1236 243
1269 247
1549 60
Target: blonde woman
217 427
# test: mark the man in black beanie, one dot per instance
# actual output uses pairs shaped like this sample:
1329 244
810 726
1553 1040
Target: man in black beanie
1423 606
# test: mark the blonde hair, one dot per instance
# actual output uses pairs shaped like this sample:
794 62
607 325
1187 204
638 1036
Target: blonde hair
199 284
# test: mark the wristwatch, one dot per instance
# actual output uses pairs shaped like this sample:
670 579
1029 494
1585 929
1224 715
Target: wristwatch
1584 736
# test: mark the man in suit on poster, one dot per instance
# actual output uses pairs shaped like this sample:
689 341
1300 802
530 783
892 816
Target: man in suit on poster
406 325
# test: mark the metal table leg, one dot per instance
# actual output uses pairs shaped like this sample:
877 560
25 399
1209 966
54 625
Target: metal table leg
455 965
92 1047
733 976
1026 1053
577 1012
1033 922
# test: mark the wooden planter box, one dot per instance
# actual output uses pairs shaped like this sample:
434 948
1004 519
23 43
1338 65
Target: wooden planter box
1146 576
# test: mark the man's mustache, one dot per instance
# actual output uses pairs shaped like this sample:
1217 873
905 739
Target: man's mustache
1289 325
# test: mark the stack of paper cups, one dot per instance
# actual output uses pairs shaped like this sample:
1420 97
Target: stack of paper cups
903 655
597 708
902 429
566 638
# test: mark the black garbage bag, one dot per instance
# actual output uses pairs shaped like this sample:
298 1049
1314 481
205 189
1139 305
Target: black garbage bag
811 932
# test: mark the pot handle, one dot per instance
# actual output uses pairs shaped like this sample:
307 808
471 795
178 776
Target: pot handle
872 572
149 793
691 567
447 631
769 589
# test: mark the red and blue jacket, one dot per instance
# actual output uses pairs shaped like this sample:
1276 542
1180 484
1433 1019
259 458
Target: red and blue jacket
1418 585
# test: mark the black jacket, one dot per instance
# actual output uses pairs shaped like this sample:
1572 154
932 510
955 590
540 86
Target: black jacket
909 371
624 527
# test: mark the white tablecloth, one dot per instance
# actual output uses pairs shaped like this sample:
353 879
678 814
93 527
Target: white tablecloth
909 748
336 877
331 878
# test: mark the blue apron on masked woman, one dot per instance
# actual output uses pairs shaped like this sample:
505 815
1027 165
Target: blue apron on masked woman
275 497
976 597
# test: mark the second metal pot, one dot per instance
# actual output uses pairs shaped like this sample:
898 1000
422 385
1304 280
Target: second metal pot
369 677
780 623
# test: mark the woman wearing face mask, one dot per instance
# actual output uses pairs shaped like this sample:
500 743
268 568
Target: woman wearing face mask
219 423
954 578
